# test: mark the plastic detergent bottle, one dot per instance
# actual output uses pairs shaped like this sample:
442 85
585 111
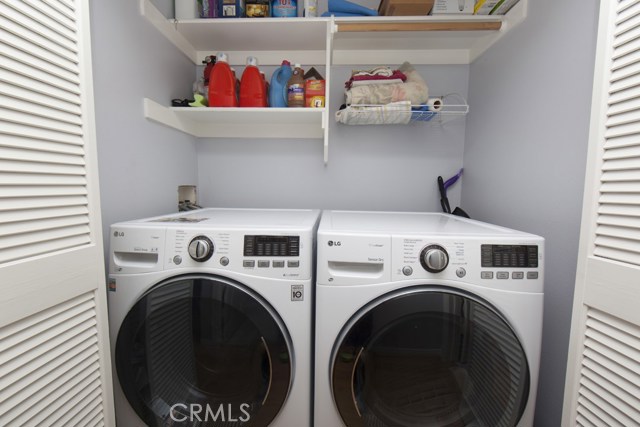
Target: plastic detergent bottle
222 84
284 8
278 89
252 88
295 87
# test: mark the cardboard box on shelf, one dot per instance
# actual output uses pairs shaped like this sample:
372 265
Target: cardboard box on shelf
405 7
314 89
484 7
453 7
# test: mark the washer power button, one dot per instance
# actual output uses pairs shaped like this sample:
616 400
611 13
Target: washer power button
407 270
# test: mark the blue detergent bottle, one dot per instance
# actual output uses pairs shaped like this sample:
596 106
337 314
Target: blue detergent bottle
278 89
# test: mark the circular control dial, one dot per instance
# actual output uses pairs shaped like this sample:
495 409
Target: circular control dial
434 258
200 248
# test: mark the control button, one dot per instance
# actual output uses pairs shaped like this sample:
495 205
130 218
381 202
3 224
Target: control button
461 272
517 275
224 261
200 248
532 274
278 264
249 263
177 260
502 275
264 264
293 264
486 274
407 270
434 258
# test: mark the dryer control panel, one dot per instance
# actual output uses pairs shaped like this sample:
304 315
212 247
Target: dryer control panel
505 264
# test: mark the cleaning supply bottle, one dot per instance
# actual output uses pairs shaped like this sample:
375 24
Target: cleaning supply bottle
278 89
284 8
222 84
295 87
266 85
252 89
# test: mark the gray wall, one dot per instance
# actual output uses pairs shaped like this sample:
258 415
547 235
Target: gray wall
525 155
370 167
140 163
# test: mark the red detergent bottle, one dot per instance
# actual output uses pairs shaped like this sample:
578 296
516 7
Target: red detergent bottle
252 88
222 84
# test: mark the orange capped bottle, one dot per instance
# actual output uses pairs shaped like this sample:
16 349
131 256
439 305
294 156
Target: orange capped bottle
252 88
222 84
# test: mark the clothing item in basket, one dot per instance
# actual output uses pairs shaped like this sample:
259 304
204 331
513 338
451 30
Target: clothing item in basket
414 90
396 76
378 71
398 113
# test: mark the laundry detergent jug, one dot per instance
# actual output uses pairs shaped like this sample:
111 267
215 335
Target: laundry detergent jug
278 89
252 88
222 84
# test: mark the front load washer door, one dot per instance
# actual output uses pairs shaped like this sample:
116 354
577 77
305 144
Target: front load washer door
428 356
204 351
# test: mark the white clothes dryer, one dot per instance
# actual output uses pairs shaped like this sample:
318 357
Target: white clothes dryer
210 315
426 320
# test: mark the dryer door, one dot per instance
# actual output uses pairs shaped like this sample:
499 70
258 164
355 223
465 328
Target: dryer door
204 351
429 357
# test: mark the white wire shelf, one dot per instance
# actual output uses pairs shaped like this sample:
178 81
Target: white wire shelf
403 113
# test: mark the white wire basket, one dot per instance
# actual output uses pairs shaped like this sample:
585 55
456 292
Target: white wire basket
453 106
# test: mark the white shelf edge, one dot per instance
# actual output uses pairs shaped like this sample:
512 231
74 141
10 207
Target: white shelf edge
341 56
168 29
515 16
207 122
239 57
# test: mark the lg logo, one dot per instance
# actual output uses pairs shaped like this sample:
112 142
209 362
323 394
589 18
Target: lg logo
336 243
118 234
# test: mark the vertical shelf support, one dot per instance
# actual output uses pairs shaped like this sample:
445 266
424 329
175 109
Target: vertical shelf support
331 28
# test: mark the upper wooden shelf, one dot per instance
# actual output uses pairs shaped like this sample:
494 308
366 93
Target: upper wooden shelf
359 40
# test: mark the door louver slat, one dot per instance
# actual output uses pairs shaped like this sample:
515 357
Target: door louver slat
41 60
26 104
621 221
41 30
627 103
610 370
18 142
49 362
617 231
13 74
629 47
41 153
619 210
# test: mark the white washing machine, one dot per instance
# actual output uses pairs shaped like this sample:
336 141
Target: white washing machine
211 318
426 320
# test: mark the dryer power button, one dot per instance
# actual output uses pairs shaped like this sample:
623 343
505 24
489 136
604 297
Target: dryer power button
434 258
200 248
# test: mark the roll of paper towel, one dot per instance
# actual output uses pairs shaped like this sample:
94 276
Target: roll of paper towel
434 104
186 9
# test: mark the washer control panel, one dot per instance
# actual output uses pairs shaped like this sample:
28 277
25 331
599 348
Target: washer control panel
275 255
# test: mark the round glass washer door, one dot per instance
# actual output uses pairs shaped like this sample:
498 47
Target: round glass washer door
428 356
204 349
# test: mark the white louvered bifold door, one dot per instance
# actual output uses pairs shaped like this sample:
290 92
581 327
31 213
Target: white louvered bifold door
603 372
54 350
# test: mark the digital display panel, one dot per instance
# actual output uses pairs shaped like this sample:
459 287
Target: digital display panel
510 256
271 246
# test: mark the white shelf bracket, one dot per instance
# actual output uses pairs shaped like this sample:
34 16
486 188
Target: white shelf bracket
169 28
